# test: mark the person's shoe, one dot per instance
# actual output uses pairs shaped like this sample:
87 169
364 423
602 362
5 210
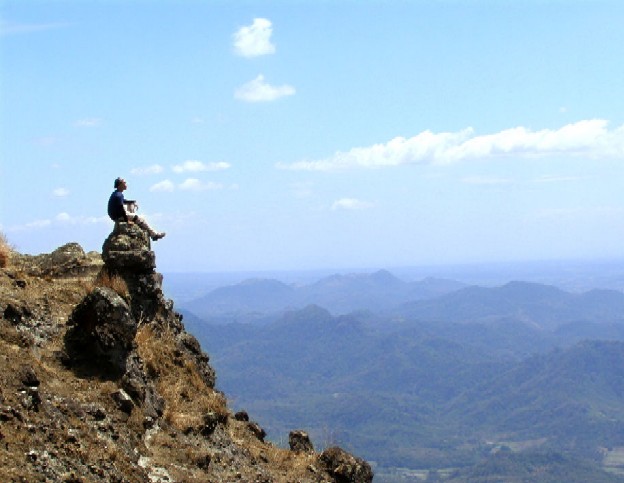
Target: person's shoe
158 236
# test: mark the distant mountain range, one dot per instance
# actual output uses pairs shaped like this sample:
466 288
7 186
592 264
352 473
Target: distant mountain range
431 374
540 305
340 294
381 293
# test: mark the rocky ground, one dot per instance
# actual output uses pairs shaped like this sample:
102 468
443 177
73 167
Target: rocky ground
99 381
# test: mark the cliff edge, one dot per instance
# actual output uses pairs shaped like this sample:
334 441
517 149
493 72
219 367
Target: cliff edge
99 381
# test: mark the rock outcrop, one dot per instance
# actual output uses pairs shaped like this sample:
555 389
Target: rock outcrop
101 382
67 261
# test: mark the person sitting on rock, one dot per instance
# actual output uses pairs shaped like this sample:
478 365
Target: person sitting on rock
120 209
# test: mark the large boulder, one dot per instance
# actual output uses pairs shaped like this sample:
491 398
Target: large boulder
127 253
299 441
344 467
128 248
101 331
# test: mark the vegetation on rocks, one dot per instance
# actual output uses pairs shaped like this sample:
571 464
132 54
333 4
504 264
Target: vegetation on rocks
99 381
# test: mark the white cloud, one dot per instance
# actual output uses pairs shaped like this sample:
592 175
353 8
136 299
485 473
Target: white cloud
34 224
197 166
67 219
193 184
61 219
351 204
13 28
258 90
61 192
165 185
190 184
254 40
555 179
589 138
153 169
487 180
88 122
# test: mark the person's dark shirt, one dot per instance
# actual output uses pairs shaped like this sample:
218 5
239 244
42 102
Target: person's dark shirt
116 206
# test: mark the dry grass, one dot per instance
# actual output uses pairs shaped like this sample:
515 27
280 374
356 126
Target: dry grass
5 251
290 462
114 282
187 397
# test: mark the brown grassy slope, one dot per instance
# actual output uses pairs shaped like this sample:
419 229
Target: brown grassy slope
59 425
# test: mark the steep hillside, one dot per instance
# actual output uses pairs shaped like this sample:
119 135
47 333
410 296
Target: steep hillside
573 397
100 381
429 395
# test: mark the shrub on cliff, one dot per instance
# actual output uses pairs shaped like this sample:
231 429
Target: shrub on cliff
5 251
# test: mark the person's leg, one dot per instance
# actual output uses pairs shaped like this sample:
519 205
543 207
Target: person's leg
154 235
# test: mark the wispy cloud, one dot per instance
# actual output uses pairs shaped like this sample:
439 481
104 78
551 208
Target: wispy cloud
556 179
166 185
586 213
62 219
486 180
60 192
351 204
66 218
255 39
258 90
88 122
590 138
193 184
194 166
189 184
16 28
146 170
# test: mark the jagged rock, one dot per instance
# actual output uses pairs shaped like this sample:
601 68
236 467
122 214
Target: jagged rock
69 260
344 467
102 329
241 416
257 431
28 377
16 313
189 344
211 420
128 248
127 253
123 401
31 399
153 404
300 441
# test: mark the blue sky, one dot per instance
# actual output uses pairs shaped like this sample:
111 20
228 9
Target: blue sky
276 135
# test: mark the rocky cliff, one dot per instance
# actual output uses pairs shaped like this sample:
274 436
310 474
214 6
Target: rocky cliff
101 382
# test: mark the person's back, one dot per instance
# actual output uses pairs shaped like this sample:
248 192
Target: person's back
116 206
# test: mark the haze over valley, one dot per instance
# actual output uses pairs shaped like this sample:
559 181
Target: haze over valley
429 378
